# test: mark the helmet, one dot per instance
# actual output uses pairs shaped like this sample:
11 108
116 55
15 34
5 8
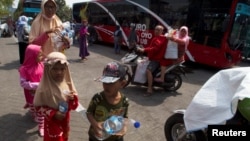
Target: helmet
244 108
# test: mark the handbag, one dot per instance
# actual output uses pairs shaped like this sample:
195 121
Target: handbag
171 50
140 73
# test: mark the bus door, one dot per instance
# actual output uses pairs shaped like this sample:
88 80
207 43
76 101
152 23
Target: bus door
240 34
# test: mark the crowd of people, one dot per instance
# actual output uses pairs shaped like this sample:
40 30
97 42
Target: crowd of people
49 90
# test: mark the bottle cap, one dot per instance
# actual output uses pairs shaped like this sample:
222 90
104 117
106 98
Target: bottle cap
137 124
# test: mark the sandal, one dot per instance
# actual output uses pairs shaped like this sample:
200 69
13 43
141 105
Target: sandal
147 94
158 80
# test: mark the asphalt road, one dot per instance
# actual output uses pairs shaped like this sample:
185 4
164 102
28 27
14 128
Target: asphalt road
152 112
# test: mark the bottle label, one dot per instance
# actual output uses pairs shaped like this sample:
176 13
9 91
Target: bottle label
63 107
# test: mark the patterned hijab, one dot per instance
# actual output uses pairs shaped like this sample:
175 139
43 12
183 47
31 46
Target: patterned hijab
42 24
31 69
49 92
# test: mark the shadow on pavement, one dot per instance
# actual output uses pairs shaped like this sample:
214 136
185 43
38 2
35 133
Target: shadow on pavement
10 66
135 93
15 127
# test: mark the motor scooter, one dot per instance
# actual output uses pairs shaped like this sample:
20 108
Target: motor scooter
225 109
172 79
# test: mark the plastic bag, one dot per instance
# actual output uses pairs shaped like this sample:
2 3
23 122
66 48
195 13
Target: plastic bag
171 50
140 73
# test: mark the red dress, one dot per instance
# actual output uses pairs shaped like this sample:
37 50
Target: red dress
54 129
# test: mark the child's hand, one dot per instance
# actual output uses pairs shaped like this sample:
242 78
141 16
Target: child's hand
98 129
59 115
70 96
122 132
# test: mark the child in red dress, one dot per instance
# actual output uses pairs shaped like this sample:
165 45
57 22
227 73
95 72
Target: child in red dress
55 97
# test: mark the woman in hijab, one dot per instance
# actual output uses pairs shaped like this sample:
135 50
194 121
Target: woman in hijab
45 26
182 40
22 43
55 97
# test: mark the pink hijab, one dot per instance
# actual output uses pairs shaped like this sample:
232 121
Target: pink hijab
186 37
31 69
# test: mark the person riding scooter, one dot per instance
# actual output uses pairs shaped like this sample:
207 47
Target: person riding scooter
155 52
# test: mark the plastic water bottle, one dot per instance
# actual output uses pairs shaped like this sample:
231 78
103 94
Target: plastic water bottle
115 124
63 106
112 125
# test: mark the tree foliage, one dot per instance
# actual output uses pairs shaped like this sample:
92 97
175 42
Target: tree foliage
63 12
18 11
4 7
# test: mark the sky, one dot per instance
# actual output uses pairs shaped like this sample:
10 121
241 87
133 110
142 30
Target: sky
68 2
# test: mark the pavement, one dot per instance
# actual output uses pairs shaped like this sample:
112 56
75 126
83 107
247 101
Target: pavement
17 125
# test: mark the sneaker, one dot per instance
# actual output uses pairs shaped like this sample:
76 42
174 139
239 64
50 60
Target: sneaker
41 132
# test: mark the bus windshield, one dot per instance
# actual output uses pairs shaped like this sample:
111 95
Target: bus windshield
106 15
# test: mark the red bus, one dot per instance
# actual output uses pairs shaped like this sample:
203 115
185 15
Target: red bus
218 28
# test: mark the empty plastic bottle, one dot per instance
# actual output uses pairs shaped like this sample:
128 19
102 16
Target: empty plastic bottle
63 106
115 124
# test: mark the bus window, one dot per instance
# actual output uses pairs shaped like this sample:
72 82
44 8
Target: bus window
204 18
31 7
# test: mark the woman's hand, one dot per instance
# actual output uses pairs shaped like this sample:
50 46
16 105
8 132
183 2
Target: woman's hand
66 42
56 30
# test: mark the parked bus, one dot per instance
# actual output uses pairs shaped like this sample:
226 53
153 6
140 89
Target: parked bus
219 30
31 7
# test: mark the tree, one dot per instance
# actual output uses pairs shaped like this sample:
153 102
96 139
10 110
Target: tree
4 7
63 12
18 11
